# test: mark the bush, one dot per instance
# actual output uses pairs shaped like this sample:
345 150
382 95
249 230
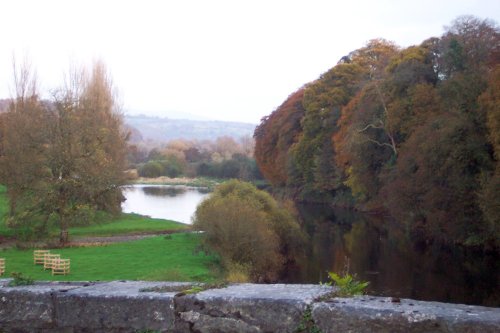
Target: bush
18 279
152 169
171 169
247 228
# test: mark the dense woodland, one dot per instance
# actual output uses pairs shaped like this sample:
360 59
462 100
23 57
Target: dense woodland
413 132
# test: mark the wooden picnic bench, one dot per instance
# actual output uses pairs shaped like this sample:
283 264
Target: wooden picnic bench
2 266
48 260
60 266
39 256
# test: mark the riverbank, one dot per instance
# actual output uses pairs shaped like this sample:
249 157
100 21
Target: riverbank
193 182
209 183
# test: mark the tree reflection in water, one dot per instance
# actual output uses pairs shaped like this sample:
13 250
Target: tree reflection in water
378 250
162 191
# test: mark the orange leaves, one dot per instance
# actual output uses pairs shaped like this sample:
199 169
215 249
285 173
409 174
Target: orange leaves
274 137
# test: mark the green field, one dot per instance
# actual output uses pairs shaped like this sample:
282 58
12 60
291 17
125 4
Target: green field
127 224
170 258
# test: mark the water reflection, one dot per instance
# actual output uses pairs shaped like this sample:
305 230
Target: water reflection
378 250
176 203
163 191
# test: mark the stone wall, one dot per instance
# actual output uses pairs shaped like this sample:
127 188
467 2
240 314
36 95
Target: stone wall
132 306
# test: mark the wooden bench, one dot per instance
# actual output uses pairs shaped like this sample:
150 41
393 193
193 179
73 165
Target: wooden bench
60 266
2 266
48 260
39 256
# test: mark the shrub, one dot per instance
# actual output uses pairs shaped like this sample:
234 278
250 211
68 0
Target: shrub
151 169
248 229
18 279
237 273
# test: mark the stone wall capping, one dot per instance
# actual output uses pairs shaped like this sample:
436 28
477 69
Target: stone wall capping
134 306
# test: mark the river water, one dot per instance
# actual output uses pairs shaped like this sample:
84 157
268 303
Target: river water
377 249
177 203
374 248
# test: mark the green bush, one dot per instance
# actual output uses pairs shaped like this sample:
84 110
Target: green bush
171 167
247 228
151 169
18 279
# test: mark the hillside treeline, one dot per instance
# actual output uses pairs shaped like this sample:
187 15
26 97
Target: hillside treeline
223 157
413 131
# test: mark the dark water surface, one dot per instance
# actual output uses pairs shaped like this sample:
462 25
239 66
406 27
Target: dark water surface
378 250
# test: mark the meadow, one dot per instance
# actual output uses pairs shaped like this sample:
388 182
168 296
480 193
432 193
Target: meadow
171 257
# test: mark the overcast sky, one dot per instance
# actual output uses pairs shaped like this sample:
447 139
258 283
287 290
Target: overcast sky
226 60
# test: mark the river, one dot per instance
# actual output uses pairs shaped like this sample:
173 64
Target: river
374 248
177 203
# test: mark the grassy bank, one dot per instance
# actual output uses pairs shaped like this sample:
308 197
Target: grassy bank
170 258
128 224
194 182
125 224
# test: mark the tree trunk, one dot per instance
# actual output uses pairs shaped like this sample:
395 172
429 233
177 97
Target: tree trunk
63 234
12 202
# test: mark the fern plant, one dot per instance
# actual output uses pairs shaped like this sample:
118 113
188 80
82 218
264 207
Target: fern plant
347 285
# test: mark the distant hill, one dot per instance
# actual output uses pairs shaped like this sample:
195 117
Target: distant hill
149 128
165 129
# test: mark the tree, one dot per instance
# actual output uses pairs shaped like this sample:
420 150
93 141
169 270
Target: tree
23 151
489 103
151 169
81 147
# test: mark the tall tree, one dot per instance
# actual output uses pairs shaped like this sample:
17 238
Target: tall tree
23 136
489 102
82 150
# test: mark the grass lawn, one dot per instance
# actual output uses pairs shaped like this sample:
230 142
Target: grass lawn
127 224
169 258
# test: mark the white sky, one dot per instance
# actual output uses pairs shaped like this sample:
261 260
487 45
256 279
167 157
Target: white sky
227 60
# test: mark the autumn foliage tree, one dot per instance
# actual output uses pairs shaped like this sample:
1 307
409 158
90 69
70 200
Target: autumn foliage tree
411 131
67 155
274 137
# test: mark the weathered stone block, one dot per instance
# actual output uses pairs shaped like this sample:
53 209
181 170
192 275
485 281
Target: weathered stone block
247 308
118 306
30 306
379 314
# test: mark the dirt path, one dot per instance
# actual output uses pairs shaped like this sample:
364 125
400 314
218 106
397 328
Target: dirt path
108 239
120 238
89 241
